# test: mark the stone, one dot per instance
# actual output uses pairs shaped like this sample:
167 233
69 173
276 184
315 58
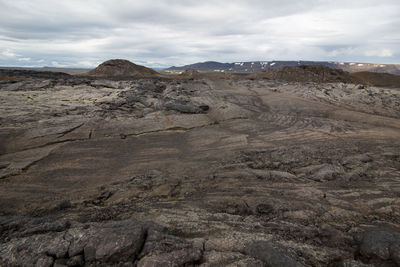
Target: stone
44 261
327 172
264 208
272 257
113 242
76 261
380 243
60 263
175 258
354 263
185 107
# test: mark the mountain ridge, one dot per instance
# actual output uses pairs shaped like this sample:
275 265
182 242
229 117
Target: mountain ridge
257 66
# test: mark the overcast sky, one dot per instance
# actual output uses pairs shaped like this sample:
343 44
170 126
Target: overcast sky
77 33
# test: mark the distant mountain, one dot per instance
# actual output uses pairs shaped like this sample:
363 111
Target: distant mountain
208 65
257 66
71 71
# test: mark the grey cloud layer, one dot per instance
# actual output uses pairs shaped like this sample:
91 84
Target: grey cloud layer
164 33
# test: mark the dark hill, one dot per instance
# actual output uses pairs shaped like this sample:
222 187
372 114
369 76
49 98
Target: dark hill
122 69
378 79
322 74
318 74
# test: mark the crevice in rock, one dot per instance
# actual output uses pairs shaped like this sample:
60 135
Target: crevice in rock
69 130
141 247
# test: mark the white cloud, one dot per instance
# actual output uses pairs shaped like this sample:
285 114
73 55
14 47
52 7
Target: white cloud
57 65
9 53
379 53
347 51
175 32
24 59
89 64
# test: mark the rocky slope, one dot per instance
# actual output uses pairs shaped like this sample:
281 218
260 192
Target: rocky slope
198 172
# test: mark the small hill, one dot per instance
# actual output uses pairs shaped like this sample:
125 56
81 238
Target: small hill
313 73
190 73
194 74
121 68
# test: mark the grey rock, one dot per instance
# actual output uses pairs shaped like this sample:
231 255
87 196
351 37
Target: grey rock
354 263
111 242
174 258
395 252
60 263
185 107
381 244
356 160
327 172
28 250
44 261
264 208
271 256
76 261
114 245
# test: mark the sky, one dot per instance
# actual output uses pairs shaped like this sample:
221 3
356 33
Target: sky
163 33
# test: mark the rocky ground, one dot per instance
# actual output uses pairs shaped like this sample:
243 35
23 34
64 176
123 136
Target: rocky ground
198 172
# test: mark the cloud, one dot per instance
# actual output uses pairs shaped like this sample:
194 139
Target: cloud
379 53
88 64
58 65
174 32
24 59
9 53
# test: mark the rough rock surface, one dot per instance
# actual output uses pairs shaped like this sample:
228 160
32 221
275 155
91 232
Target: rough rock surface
197 172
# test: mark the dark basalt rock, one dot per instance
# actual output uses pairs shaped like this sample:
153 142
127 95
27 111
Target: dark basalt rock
181 257
94 244
185 107
380 245
272 257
